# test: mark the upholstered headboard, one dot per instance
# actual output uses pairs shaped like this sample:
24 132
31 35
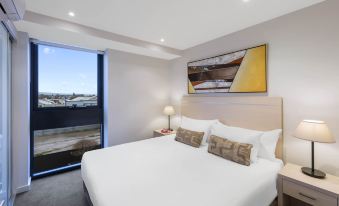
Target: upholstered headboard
258 113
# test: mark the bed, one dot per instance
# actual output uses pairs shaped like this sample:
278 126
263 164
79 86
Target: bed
161 171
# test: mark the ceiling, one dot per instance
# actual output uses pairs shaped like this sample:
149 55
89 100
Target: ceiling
182 23
60 36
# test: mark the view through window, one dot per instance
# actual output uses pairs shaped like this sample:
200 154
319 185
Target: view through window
67 112
67 78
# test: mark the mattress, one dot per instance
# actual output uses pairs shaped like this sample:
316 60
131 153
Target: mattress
161 171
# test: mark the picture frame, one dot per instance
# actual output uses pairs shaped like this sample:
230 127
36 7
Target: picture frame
242 71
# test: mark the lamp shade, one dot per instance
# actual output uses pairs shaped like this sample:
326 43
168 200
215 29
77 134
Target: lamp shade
315 131
169 110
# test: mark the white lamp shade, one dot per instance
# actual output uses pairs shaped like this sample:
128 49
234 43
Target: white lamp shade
316 131
169 110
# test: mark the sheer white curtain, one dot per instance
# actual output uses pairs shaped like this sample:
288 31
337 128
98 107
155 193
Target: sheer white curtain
4 115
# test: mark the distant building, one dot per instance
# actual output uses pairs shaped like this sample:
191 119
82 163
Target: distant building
46 103
51 102
82 101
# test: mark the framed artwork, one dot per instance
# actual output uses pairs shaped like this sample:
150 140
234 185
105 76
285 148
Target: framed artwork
237 72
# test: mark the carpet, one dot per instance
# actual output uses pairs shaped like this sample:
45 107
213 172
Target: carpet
62 189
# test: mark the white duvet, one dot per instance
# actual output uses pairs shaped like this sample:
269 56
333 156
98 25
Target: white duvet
163 172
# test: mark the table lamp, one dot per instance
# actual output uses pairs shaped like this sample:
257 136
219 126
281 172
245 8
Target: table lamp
169 110
314 131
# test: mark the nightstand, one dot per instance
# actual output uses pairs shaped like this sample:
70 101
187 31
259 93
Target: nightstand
296 188
158 133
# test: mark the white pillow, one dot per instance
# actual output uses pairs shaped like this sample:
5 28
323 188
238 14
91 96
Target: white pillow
268 143
268 140
240 135
198 126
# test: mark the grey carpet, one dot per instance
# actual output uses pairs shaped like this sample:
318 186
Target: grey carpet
62 189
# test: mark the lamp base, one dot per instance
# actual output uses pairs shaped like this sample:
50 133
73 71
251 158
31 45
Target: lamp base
315 173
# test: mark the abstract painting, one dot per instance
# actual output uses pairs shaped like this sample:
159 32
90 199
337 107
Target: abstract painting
238 72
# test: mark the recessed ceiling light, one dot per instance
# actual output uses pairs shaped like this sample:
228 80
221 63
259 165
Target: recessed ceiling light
162 40
245 0
71 14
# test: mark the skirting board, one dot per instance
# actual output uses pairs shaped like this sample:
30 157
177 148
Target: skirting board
24 188
19 190
11 201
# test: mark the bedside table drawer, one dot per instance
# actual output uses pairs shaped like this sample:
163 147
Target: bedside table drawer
308 195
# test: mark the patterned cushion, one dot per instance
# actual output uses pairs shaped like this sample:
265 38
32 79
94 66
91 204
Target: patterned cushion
234 151
189 137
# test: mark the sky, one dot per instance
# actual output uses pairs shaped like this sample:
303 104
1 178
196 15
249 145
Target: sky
67 71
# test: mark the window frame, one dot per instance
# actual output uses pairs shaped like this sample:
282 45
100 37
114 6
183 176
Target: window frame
40 117
35 78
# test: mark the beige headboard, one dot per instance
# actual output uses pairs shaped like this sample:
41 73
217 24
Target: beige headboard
258 113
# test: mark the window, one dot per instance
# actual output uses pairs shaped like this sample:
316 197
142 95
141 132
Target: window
54 148
67 78
66 111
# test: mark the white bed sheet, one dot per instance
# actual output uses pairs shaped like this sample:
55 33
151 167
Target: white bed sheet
163 172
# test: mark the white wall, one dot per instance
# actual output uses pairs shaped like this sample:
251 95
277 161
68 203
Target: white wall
136 91
302 68
303 59
20 113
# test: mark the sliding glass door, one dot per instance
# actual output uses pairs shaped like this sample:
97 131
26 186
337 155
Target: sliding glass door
66 106
4 115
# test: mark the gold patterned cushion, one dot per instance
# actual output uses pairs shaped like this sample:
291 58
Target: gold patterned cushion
189 137
234 151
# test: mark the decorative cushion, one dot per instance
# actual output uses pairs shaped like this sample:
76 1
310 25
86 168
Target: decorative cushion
198 125
264 148
234 151
240 135
189 137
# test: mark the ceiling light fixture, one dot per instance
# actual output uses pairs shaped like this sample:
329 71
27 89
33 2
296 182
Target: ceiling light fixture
246 1
71 14
162 40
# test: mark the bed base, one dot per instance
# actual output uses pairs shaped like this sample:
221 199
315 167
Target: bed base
89 202
275 202
88 199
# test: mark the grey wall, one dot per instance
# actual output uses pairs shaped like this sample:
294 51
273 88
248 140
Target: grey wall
20 113
136 91
303 61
